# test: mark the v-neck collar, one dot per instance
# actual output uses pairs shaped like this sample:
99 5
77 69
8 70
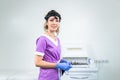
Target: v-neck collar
53 41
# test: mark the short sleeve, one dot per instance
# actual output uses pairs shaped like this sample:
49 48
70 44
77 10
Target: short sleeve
40 46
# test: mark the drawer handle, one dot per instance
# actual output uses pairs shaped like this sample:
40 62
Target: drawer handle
79 77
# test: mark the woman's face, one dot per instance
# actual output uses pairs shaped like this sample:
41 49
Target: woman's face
53 23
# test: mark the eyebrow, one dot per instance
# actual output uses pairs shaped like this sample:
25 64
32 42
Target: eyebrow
56 17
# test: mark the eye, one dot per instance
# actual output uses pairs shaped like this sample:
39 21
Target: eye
52 20
57 20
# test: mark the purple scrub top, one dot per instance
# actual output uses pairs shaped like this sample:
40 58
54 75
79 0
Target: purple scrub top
51 52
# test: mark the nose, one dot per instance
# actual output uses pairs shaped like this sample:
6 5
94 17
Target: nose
54 22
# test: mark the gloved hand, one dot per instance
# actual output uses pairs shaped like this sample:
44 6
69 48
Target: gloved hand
65 61
63 66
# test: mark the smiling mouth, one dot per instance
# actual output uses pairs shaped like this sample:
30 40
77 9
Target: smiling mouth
54 26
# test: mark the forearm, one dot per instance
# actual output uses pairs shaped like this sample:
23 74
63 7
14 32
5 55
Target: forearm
43 64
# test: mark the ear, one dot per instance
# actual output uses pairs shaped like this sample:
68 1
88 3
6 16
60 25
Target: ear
46 23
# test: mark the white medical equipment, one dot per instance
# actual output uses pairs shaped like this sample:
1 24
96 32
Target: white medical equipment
83 68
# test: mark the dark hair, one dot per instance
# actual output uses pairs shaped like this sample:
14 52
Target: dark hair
52 13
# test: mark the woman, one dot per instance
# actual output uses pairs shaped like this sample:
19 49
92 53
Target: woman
48 51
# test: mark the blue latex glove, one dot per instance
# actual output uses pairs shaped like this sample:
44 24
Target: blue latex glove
63 66
65 61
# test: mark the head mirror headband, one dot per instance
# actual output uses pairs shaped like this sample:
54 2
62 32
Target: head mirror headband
53 13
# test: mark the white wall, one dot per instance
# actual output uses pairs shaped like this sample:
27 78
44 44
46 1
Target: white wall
94 23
